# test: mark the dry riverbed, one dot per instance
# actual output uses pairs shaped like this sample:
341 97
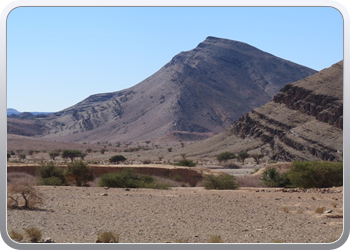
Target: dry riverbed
79 214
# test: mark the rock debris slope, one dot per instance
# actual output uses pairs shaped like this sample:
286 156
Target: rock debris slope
197 94
304 121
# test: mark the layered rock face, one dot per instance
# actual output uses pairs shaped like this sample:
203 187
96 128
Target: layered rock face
304 121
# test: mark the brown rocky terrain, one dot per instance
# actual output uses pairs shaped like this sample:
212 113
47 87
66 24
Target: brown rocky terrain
304 121
79 214
197 94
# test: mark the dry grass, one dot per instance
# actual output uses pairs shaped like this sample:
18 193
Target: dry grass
107 237
34 234
285 209
319 210
215 239
16 236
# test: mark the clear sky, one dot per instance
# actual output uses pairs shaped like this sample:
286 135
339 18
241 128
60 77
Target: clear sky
58 56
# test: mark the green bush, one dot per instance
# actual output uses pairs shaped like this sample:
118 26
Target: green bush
272 178
79 173
224 156
186 163
51 175
129 179
316 174
224 181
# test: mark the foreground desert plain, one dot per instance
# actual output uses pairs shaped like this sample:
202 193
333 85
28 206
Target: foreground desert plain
181 214
184 214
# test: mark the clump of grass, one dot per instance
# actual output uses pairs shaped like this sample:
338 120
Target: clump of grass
107 237
319 210
313 198
334 204
34 234
215 239
285 209
16 236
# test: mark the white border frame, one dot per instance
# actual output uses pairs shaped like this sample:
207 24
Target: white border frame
169 3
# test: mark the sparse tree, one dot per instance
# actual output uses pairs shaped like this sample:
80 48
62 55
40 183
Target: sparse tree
21 192
225 156
257 157
71 154
117 159
79 173
54 154
242 156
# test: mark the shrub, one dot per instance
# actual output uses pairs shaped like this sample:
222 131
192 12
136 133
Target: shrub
215 239
186 163
22 156
224 156
319 210
223 181
107 237
8 155
16 236
79 173
232 166
51 175
117 159
34 234
129 179
272 178
316 174
22 193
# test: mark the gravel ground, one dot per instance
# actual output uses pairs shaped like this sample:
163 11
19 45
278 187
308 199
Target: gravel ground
79 214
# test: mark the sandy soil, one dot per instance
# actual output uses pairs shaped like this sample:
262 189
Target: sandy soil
78 214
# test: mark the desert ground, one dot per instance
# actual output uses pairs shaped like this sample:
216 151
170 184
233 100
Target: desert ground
250 214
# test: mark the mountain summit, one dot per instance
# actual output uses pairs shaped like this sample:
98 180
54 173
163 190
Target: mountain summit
197 94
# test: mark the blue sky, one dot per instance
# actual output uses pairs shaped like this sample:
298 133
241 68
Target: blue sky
58 56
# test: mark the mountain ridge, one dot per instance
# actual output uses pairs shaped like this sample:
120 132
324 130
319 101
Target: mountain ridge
203 91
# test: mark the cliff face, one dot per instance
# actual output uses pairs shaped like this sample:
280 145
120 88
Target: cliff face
304 121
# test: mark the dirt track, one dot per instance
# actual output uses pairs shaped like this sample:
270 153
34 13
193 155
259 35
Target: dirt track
78 214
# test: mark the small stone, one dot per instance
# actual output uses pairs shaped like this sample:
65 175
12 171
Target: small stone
328 212
104 194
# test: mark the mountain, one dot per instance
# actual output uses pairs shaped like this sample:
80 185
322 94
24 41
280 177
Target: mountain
11 111
304 121
198 94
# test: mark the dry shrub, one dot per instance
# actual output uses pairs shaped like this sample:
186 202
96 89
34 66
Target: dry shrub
319 210
107 237
249 181
21 192
286 209
34 234
215 239
16 236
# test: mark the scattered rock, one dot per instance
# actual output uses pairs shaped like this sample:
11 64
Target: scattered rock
104 194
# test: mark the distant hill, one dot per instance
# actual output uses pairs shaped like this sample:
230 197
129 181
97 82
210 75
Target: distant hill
11 111
304 121
198 94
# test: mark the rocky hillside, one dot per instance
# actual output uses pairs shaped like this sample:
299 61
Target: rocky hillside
303 121
197 94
